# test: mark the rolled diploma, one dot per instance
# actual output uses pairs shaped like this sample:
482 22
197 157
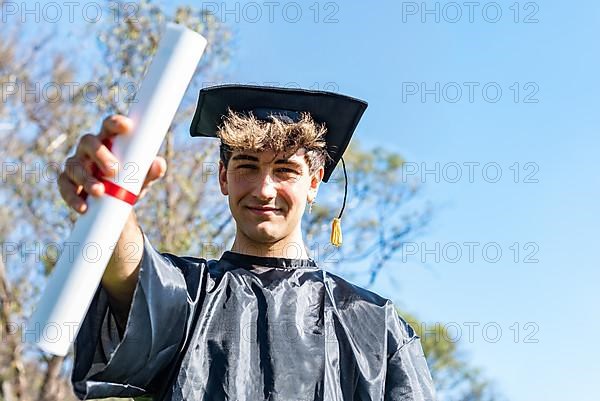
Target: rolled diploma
79 269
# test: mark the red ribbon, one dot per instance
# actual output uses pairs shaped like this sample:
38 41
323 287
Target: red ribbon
110 188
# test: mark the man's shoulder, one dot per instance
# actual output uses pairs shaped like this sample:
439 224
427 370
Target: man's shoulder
196 266
354 304
180 260
346 291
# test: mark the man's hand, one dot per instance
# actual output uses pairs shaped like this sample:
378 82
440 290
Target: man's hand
77 178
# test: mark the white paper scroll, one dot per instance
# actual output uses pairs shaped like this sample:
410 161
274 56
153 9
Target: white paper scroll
77 274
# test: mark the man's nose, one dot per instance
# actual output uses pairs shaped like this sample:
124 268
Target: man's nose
265 187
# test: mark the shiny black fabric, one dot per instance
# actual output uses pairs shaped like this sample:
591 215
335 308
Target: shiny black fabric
250 328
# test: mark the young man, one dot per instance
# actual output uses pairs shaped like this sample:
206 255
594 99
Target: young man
256 324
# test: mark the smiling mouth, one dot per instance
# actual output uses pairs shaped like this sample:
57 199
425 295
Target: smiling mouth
263 210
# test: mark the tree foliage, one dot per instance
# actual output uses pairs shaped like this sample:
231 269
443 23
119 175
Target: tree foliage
455 379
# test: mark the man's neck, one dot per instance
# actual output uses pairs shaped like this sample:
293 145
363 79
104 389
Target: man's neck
291 247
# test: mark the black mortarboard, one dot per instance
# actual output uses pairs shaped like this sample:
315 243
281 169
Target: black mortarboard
339 113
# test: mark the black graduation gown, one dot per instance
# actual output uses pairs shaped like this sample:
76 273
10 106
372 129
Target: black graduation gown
248 328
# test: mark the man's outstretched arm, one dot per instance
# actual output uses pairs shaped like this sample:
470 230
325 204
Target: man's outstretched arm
77 181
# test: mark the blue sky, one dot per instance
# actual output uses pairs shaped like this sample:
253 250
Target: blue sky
371 53
377 51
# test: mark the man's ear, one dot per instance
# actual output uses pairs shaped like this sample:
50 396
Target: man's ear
223 178
315 180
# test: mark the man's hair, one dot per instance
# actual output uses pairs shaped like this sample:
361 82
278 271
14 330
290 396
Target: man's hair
244 132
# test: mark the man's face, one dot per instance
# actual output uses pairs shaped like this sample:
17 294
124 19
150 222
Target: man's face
268 192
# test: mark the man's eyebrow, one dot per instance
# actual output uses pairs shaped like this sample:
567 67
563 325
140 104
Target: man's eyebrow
255 159
245 157
288 161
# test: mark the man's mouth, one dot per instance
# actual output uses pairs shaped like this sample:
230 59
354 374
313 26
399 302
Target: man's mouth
263 210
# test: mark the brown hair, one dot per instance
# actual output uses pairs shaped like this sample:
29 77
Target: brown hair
244 132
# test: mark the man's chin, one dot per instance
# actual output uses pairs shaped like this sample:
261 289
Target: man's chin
265 238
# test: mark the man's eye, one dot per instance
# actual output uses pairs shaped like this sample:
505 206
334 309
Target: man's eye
288 170
249 166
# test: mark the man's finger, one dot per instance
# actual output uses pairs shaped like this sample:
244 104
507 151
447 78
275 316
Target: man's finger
158 168
79 172
115 125
91 147
70 193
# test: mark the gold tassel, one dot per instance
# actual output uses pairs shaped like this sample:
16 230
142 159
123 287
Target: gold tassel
336 232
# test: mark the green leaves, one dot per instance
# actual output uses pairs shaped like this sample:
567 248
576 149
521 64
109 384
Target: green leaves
454 378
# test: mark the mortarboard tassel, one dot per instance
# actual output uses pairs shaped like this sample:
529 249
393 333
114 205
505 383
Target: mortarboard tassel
336 232
336 225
